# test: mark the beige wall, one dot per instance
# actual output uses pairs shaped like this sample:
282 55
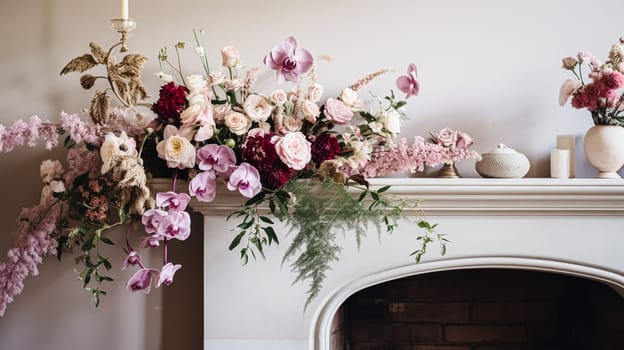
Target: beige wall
489 67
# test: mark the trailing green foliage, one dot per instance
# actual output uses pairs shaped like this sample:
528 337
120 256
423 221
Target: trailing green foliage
315 213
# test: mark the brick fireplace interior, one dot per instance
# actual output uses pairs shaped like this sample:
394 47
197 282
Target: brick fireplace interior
482 309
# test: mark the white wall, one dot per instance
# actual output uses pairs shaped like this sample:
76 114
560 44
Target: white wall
489 67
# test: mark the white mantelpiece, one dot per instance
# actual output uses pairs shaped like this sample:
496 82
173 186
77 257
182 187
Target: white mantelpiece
573 226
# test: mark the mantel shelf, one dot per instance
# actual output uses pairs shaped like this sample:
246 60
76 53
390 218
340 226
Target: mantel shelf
477 196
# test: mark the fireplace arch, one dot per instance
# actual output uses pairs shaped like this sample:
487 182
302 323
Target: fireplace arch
321 330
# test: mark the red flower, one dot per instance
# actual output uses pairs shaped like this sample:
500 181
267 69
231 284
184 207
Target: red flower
325 147
260 152
170 103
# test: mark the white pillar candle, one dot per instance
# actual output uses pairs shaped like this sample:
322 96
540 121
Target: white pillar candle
559 163
567 142
124 9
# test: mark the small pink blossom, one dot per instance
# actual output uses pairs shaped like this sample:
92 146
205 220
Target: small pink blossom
177 224
142 280
166 274
246 180
217 157
408 83
133 258
569 63
175 201
463 140
289 60
337 112
151 218
204 186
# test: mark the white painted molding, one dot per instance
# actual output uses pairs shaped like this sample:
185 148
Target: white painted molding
476 196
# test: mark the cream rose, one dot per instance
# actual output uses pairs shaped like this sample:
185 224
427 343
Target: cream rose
197 114
176 149
233 84
310 110
114 145
279 97
257 108
238 123
230 56
315 92
196 84
392 121
292 123
337 112
220 111
50 170
294 150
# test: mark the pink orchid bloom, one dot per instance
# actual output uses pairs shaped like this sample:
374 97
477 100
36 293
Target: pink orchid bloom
142 280
245 179
132 259
289 60
152 241
166 274
175 225
151 218
408 83
175 201
204 186
217 157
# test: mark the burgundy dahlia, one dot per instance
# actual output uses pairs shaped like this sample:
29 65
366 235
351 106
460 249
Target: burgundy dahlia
325 147
260 152
170 103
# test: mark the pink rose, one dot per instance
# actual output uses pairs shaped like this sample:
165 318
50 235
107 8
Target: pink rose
446 137
294 150
337 112
464 140
569 63
230 56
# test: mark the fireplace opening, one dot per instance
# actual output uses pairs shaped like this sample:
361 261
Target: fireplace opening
482 309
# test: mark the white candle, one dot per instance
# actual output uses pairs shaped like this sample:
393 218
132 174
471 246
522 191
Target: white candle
567 142
559 163
124 9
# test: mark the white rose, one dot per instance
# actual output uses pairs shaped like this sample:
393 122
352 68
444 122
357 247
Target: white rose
310 110
230 56
257 108
238 123
392 121
279 97
315 92
196 84
176 149
350 98
50 169
114 145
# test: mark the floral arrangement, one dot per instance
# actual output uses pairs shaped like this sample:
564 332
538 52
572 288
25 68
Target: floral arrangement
602 95
288 152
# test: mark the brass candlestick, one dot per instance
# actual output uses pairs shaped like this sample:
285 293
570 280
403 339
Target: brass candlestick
123 26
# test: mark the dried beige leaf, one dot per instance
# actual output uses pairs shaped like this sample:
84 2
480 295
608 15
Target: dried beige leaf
80 64
99 108
98 53
87 81
131 65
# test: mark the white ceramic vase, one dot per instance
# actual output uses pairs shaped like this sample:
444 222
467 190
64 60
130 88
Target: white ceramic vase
604 148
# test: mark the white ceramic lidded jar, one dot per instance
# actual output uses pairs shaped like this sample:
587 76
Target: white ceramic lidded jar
503 162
